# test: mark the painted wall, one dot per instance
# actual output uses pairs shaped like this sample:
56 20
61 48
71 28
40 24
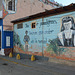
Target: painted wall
1 22
5 35
6 40
53 36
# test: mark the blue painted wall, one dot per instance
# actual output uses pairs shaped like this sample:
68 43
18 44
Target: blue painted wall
4 34
44 38
1 22
5 50
7 33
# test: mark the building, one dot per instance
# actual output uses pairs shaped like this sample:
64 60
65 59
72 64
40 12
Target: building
6 40
6 37
48 34
14 9
52 3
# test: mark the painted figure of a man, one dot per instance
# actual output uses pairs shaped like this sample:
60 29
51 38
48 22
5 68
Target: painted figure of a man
26 40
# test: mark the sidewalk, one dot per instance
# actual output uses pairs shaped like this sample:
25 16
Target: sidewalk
23 61
51 61
47 59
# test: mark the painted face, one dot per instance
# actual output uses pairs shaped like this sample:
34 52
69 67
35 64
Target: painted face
68 25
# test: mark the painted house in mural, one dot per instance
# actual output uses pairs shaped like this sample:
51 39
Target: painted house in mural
50 33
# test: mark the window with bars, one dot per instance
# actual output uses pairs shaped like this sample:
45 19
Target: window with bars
20 25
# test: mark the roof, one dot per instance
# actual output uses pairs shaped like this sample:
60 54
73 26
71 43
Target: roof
68 8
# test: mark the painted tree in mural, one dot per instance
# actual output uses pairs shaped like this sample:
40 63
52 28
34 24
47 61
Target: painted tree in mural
53 45
17 41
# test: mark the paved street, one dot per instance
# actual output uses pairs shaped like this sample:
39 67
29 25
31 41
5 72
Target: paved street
11 66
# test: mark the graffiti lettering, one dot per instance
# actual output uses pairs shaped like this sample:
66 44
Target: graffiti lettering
32 41
32 33
42 41
39 41
45 32
41 32
48 22
26 25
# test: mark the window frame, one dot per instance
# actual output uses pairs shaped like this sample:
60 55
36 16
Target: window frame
10 5
20 24
32 23
13 5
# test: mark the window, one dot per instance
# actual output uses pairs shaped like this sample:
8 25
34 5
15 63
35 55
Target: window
20 25
33 25
10 5
7 40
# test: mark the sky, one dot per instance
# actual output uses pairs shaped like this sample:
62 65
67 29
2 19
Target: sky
65 2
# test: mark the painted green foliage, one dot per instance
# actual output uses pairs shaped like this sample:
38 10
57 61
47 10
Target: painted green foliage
53 45
17 41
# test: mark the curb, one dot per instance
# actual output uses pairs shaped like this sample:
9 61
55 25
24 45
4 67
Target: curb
26 56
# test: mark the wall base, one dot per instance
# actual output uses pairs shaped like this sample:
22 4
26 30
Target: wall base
26 56
7 51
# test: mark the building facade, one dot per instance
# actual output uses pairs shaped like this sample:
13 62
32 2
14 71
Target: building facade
49 34
14 9
6 40
6 37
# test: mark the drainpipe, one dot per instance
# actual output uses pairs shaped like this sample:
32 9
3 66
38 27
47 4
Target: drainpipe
42 38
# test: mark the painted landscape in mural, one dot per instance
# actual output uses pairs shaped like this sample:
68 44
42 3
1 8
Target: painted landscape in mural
52 37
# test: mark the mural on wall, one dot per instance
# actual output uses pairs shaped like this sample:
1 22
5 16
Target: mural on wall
26 40
53 46
53 37
17 43
67 34
63 46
